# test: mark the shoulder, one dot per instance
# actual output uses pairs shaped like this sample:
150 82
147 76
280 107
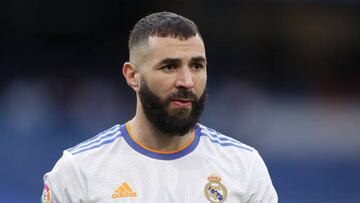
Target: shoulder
79 159
86 155
65 181
230 152
219 140
101 140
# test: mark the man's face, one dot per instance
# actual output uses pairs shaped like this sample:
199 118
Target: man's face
172 83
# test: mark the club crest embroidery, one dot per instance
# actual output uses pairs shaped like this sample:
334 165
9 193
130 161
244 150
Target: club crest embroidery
214 190
45 197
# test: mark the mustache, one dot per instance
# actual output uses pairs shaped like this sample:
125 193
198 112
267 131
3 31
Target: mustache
183 94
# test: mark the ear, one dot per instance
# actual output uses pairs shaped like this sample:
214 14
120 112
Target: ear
131 75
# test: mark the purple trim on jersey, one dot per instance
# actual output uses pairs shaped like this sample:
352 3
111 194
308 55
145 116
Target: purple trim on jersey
214 137
101 143
227 144
96 138
155 155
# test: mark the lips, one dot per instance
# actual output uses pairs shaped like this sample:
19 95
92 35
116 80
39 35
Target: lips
182 103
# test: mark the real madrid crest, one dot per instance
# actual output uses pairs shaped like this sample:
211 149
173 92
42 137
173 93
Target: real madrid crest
215 191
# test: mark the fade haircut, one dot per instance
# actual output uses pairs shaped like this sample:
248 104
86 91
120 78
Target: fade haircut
162 24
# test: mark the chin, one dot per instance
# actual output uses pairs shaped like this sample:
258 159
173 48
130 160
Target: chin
180 113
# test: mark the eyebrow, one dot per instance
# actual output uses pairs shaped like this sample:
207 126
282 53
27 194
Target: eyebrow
199 59
169 61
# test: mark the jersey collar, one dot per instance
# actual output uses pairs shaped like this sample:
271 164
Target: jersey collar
169 155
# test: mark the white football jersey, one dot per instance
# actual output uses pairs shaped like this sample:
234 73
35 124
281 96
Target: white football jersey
114 167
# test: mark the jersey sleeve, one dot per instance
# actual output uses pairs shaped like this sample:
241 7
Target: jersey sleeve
64 182
260 188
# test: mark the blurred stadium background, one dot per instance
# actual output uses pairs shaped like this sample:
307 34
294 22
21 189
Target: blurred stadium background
283 77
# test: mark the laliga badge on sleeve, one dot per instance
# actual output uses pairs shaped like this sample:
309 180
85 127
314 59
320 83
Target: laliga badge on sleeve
45 197
215 191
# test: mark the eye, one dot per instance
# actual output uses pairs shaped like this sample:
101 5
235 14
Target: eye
169 67
197 66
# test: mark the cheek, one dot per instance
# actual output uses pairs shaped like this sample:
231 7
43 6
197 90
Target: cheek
161 87
201 84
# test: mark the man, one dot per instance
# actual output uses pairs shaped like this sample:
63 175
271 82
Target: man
162 154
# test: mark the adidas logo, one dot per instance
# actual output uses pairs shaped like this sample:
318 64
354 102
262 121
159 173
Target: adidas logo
122 191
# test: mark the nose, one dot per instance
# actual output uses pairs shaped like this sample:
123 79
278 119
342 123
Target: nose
185 78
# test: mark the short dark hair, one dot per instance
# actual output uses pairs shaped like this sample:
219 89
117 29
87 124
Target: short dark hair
162 24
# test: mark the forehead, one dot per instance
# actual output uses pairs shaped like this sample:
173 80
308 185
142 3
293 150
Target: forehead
168 47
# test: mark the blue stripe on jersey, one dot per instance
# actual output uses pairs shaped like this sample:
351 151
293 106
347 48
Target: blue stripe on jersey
98 145
155 155
216 137
228 144
98 136
102 138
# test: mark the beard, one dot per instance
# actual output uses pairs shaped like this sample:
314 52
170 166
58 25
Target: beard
179 121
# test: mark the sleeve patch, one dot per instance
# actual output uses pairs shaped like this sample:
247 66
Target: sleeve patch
46 195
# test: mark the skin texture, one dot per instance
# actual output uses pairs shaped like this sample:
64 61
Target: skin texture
166 64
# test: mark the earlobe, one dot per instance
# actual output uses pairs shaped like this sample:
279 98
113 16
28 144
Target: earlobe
130 73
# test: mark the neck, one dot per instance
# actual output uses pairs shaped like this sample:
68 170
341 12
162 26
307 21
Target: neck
149 136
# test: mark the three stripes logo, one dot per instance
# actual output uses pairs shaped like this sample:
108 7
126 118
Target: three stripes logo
123 191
